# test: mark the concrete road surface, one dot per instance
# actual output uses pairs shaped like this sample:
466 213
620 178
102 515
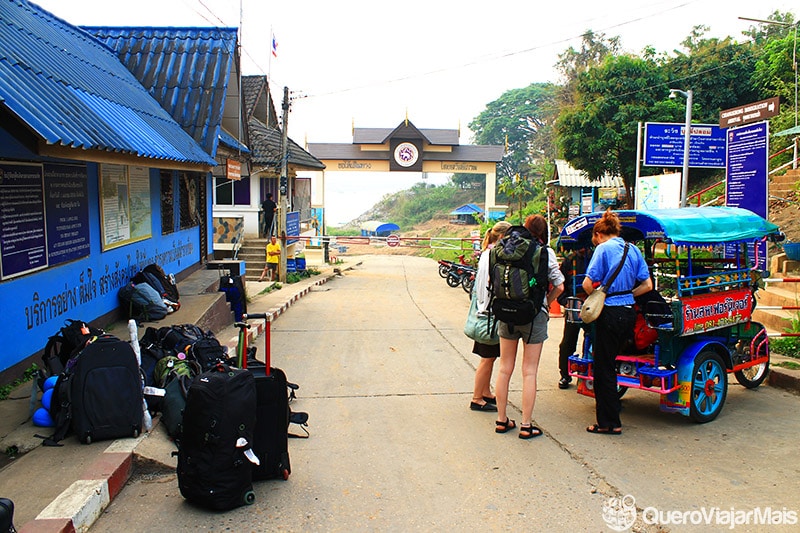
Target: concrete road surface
386 375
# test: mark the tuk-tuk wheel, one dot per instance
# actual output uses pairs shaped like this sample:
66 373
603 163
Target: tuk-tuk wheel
709 387
752 377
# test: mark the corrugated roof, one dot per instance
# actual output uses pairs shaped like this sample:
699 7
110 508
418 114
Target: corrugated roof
187 70
467 209
568 176
230 141
265 144
72 91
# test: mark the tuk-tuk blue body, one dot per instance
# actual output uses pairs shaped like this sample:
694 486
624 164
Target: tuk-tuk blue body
701 258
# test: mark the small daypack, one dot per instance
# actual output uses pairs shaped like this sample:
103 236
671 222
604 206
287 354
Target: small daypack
518 278
167 368
142 301
65 344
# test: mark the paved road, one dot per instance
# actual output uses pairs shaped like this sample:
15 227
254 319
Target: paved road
386 375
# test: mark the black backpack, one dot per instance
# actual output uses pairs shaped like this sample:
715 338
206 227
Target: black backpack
98 396
65 344
196 344
518 278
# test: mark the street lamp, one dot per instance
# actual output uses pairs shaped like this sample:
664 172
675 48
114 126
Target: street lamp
687 134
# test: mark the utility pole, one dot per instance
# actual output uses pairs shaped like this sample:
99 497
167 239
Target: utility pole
284 183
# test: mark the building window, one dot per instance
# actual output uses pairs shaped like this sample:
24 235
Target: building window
167 203
232 192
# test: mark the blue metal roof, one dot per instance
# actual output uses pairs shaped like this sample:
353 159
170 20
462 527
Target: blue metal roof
72 91
187 70
230 141
467 209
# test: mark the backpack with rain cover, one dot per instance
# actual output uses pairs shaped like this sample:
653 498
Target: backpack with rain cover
517 277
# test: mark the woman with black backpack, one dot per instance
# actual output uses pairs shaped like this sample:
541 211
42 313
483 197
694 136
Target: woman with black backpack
533 335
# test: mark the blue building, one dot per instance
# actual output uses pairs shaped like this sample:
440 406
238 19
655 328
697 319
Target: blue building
108 139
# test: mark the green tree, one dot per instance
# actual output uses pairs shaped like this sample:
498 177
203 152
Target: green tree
517 118
598 132
718 71
519 189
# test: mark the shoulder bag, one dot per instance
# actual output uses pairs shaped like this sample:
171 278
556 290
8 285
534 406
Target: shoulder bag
593 305
479 327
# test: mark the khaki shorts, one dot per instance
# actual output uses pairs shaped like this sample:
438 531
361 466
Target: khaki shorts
539 326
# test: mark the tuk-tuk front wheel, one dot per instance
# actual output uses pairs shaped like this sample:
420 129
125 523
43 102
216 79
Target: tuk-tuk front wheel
752 377
709 387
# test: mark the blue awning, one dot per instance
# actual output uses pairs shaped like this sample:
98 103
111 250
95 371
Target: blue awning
688 225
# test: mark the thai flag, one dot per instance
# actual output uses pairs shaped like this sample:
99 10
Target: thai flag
274 46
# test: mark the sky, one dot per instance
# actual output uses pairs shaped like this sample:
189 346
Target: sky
362 63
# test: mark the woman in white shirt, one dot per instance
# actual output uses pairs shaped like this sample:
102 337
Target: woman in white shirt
482 398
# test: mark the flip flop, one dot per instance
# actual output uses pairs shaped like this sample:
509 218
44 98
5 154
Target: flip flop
596 429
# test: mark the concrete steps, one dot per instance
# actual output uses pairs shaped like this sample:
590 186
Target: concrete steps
777 294
781 186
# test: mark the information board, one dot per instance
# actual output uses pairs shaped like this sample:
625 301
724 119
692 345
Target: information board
664 145
748 172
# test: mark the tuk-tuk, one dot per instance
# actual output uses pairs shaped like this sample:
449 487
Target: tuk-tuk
702 262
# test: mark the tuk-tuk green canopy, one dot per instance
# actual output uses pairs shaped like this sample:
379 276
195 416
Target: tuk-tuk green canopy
688 225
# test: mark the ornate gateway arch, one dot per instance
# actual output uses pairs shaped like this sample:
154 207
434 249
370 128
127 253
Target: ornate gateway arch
409 149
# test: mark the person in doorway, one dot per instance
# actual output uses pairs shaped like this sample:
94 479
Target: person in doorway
533 336
273 259
268 206
616 321
574 269
482 397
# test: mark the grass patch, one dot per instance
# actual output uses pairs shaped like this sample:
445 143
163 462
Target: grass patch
28 375
791 365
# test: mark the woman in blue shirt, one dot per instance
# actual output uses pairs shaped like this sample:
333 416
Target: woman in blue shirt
616 321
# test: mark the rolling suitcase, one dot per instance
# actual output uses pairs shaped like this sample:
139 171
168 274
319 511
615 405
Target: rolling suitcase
106 391
271 437
214 441
6 516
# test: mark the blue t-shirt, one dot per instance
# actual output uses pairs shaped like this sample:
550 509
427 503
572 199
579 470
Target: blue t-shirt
605 260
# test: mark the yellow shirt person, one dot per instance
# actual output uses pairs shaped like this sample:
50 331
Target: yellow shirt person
273 259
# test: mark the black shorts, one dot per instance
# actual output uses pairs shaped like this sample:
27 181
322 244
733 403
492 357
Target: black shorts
487 351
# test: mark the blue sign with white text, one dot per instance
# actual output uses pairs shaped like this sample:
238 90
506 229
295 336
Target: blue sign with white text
663 145
747 177
292 227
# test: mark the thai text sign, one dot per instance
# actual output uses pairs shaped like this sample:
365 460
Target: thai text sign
664 145
745 114
716 310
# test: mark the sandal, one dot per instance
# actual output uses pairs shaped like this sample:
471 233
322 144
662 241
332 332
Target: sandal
528 432
596 429
490 399
502 427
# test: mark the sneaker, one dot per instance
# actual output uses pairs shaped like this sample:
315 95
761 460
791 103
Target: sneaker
563 383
